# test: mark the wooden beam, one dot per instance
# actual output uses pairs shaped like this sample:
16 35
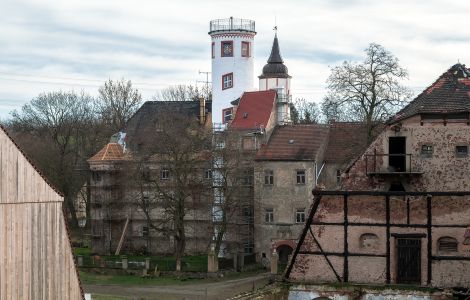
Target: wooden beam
121 240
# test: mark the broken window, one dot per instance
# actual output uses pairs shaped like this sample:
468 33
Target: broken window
248 247
461 151
301 177
427 150
269 215
447 244
300 215
269 177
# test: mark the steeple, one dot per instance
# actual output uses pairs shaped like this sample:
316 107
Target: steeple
275 67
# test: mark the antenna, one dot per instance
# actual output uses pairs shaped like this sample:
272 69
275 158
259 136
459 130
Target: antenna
207 80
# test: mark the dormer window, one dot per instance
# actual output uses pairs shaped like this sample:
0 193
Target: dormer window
226 48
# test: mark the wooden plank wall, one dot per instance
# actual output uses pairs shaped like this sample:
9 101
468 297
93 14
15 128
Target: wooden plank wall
36 260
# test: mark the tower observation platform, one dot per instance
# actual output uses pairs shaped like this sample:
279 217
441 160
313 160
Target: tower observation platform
231 24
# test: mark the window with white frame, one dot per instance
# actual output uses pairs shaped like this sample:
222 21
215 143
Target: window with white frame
227 81
268 177
269 215
300 215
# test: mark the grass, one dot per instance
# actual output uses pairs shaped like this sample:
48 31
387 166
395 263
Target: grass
92 278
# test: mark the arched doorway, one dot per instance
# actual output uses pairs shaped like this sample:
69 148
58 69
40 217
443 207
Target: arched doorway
284 251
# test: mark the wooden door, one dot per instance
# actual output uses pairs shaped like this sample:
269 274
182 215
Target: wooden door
408 260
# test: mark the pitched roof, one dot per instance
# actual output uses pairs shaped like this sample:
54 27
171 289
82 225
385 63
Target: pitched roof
450 93
254 110
146 116
111 151
346 141
294 142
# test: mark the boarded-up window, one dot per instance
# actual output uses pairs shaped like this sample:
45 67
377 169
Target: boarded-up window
447 244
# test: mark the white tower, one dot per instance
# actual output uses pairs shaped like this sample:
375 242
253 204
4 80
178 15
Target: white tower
232 63
275 76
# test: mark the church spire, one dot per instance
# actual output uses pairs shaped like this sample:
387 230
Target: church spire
275 67
275 57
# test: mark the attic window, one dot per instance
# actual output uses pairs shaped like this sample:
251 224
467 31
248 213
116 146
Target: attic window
245 115
291 141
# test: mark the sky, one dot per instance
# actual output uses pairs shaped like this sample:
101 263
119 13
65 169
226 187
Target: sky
52 45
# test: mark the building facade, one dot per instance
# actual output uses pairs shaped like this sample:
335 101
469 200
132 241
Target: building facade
403 214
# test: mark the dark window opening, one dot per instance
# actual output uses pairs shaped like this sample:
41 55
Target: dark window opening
145 231
427 150
461 151
338 176
300 215
269 215
165 174
447 244
269 177
208 174
396 187
397 154
96 176
301 177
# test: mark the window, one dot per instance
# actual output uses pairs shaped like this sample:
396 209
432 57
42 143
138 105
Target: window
301 177
248 247
269 215
145 231
269 177
227 115
165 174
426 150
213 50
96 176
227 81
247 214
447 244
338 176
461 151
208 174
246 49
300 215
248 143
226 48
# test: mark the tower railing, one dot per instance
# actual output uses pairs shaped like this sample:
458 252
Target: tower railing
231 24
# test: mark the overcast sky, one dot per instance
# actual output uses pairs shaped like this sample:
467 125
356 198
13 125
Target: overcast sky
52 45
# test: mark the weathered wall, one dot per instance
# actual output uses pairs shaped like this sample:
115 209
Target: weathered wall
445 210
35 251
443 171
285 196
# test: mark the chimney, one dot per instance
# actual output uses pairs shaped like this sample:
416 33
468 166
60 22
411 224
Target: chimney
202 110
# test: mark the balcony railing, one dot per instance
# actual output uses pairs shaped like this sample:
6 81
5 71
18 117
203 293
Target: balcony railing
284 98
232 24
390 164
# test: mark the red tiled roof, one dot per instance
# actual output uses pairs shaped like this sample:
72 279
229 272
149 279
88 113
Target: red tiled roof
450 93
254 109
294 142
112 151
346 141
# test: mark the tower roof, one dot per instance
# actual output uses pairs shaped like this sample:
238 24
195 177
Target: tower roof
275 67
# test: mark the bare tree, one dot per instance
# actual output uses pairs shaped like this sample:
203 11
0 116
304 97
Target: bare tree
232 167
58 132
118 102
167 175
183 93
306 112
369 91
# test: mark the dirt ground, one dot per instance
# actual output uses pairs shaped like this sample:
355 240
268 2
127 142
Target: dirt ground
201 291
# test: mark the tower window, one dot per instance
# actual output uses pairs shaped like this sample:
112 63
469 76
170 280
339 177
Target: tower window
227 81
226 48
246 49
213 50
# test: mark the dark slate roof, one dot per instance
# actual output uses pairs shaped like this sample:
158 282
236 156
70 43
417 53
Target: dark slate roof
346 141
450 93
294 142
146 116
254 110
275 66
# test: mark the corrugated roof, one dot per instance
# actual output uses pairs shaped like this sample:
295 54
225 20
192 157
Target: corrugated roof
450 93
254 110
346 141
294 142
111 151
